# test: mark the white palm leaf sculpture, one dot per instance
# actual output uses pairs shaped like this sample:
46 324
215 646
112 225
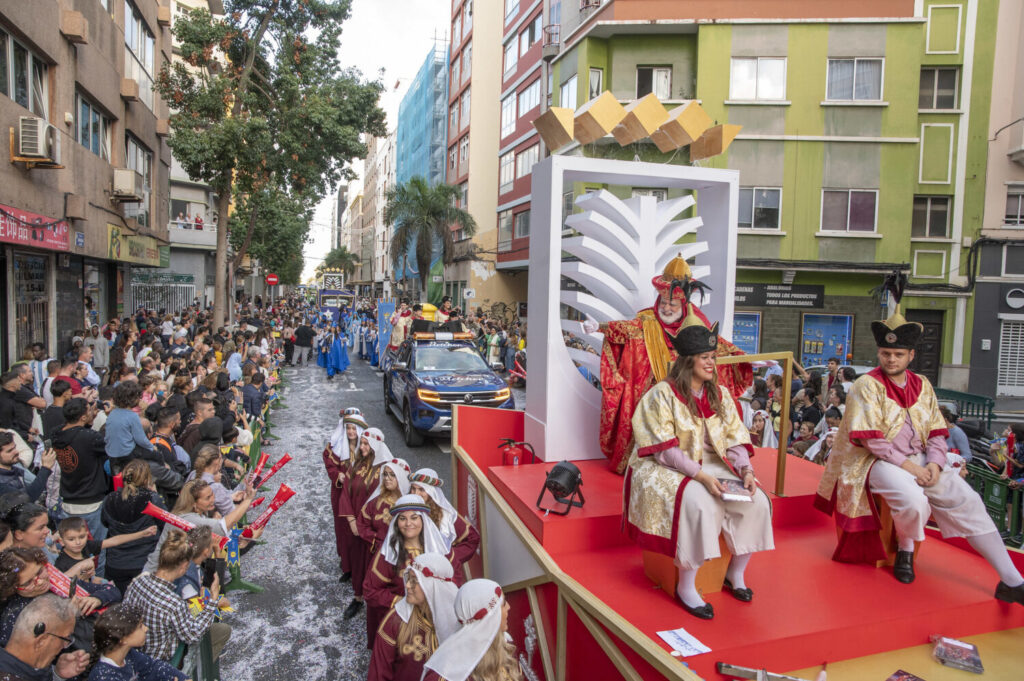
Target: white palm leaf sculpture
623 244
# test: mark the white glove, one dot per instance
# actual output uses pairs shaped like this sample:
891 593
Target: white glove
590 325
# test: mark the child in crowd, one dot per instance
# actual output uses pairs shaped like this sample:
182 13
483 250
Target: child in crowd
119 631
76 558
804 439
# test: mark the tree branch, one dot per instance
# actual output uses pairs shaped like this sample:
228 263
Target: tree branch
250 59
248 236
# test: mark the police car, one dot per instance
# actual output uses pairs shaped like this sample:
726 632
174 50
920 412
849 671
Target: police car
433 371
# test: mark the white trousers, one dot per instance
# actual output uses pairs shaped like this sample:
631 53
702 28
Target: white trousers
745 525
958 510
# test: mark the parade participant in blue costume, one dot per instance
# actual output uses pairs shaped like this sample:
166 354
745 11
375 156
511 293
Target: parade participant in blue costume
371 343
336 344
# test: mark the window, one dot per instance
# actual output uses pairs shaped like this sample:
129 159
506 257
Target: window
656 79
1010 375
848 210
139 159
456 75
529 98
567 95
511 9
23 76
526 159
92 128
508 115
658 194
139 53
938 88
506 171
568 202
453 157
1014 208
758 78
931 217
457 30
505 230
522 225
760 207
511 57
467 61
596 82
854 79
464 192
464 149
453 118
465 109
467 16
531 35
1013 260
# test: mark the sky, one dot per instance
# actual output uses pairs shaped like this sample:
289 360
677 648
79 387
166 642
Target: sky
393 35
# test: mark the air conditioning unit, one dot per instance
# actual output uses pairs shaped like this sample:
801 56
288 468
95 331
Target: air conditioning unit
38 139
129 186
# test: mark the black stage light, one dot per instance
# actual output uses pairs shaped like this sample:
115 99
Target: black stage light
565 482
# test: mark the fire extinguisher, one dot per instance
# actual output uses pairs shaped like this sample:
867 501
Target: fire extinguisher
514 453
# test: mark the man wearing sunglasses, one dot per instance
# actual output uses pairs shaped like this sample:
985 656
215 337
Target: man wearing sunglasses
41 633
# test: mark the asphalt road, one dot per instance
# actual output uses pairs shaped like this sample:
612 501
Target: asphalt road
294 630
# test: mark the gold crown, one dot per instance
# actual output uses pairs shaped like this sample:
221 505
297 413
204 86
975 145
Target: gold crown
677 268
896 319
691 318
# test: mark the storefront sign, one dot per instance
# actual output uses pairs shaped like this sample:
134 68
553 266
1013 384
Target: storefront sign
124 247
29 229
780 295
148 277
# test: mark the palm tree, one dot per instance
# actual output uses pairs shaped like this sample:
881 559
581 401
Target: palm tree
340 259
423 216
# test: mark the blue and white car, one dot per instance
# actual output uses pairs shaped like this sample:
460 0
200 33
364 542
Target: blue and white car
433 371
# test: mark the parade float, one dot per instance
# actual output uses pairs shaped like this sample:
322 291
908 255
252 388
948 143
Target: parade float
586 602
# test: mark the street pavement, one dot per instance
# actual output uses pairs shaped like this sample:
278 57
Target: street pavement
294 630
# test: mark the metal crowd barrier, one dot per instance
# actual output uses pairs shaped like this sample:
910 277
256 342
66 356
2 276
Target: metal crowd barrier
1003 502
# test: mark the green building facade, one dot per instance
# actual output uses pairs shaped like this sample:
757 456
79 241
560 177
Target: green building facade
863 148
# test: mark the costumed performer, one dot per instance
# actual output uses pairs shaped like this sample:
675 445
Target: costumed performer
442 314
892 442
637 354
401 323
687 428
418 623
410 534
480 649
363 478
337 460
461 539
375 516
337 355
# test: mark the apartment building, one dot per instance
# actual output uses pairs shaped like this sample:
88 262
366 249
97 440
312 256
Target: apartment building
862 155
997 345
381 232
83 200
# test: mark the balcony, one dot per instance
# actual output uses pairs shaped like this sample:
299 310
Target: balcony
190 235
464 250
552 42
1015 151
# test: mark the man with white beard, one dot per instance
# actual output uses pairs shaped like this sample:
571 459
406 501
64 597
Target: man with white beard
637 354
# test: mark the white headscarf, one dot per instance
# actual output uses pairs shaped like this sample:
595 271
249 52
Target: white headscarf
432 540
339 440
401 470
429 480
478 608
381 452
434 574
813 450
768 437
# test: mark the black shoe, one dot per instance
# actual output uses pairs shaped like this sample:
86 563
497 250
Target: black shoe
1010 594
353 609
746 595
346 577
704 612
903 568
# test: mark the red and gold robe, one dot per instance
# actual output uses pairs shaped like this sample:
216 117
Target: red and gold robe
636 355
875 408
359 486
373 521
390 662
383 587
467 541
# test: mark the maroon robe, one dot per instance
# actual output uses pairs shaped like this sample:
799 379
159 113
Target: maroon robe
467 541
382 589
337 472
359 487
388 663
373 522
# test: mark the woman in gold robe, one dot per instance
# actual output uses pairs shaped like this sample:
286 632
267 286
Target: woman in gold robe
687 428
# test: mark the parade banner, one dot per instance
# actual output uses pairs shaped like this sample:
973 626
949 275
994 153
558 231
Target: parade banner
29 229
179 522
276 467
284 493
